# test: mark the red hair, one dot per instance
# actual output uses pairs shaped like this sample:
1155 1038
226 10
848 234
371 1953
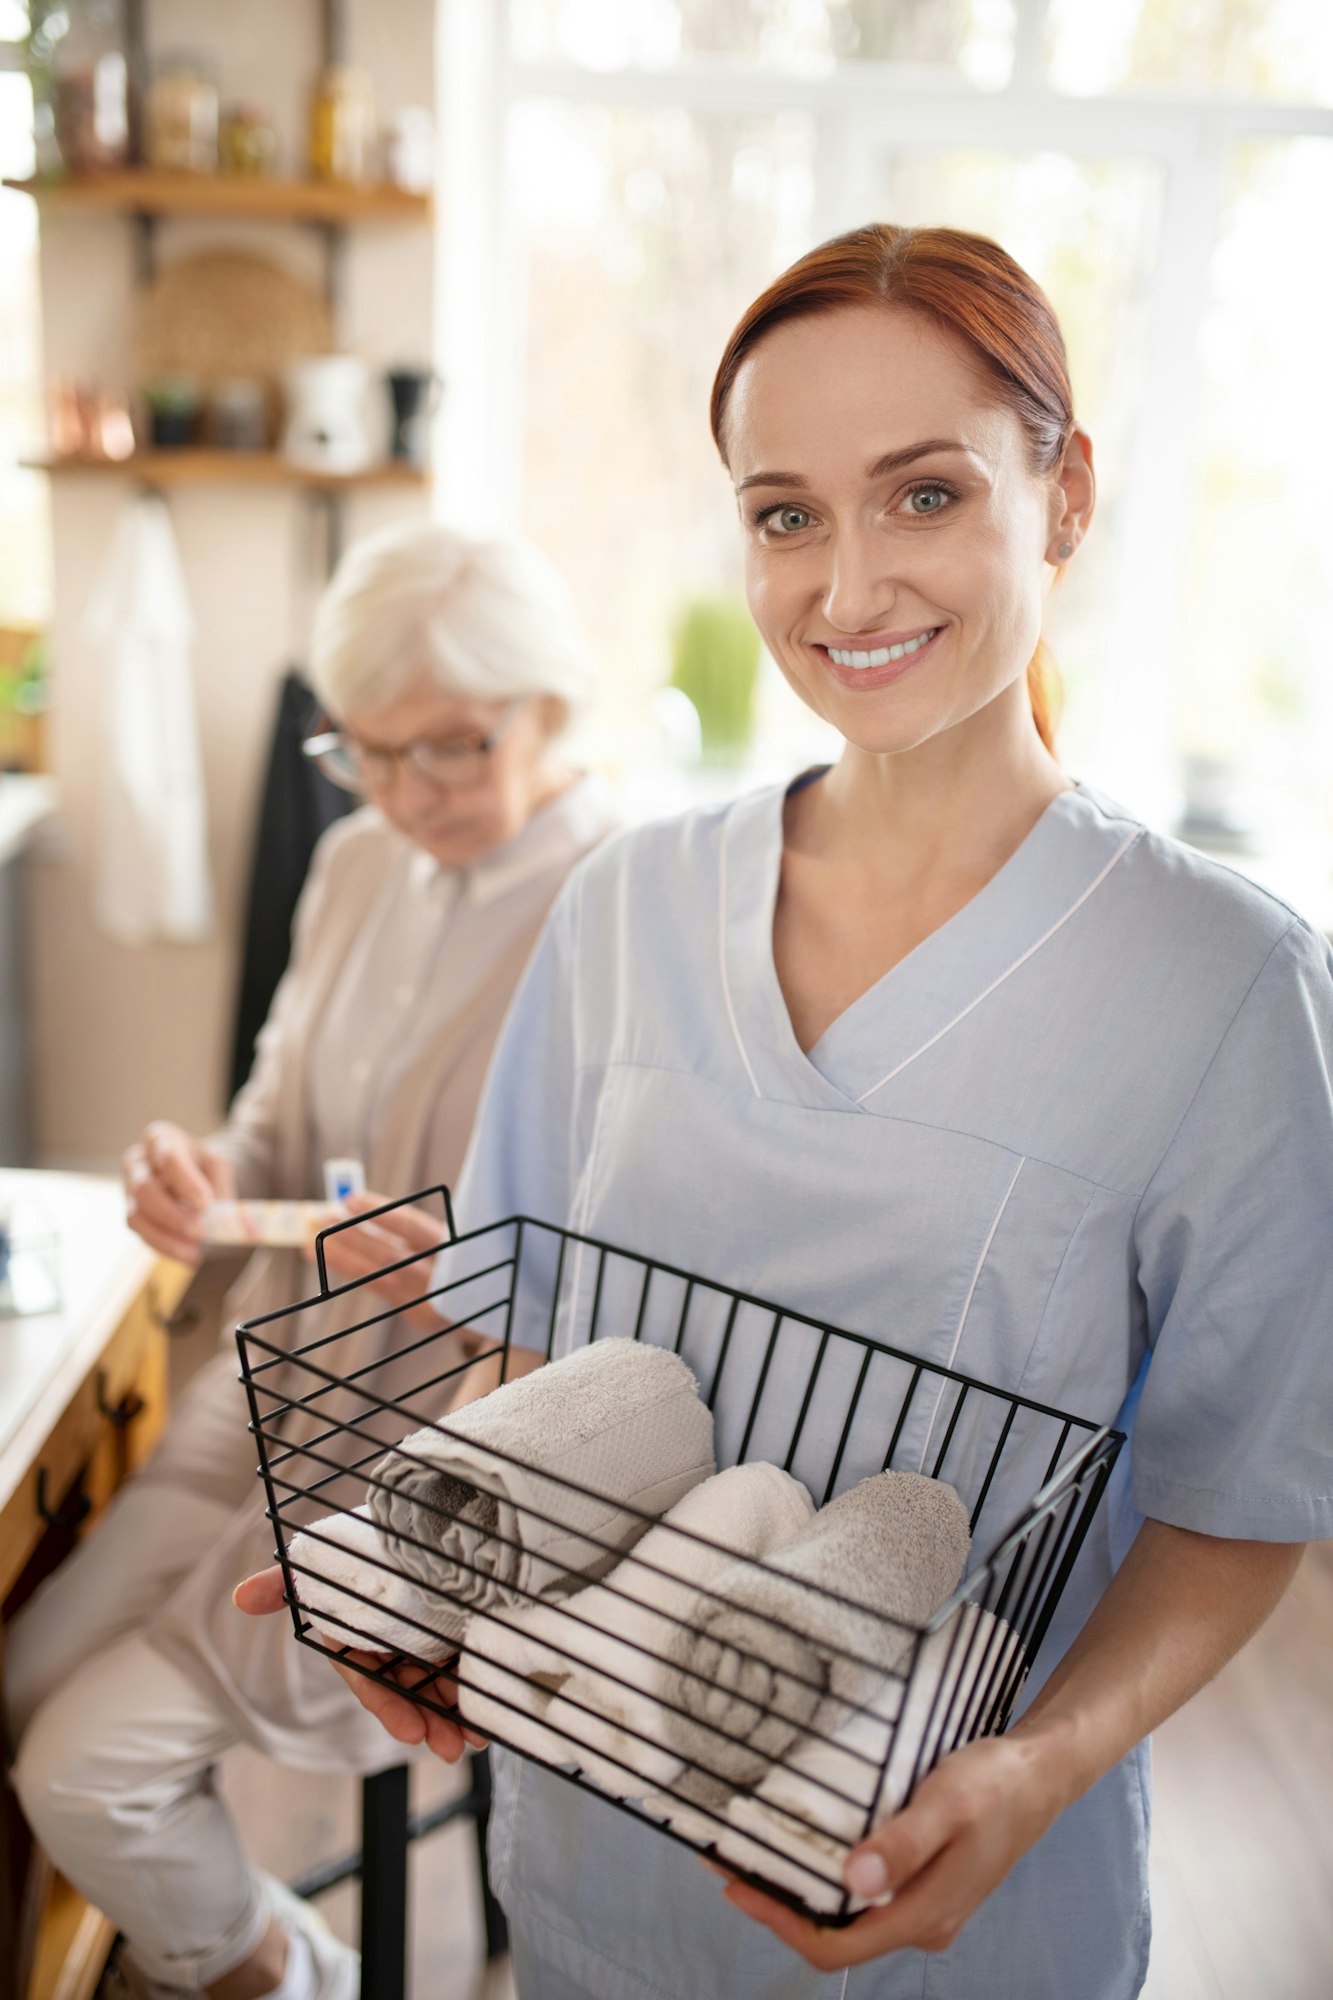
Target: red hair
972 288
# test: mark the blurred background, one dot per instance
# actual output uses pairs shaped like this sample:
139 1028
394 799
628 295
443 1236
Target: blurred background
549 213
300 270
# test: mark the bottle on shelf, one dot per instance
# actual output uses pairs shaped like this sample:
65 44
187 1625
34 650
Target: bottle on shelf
182 124
90 90
342 126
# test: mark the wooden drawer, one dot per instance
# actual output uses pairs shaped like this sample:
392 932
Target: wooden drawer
130 1373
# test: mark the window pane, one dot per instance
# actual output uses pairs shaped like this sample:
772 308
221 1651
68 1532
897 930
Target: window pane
1252 48
1255 689
643 236
1087 230
24 538
974 37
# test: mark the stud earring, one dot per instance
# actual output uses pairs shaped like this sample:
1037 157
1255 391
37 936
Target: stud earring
1065 551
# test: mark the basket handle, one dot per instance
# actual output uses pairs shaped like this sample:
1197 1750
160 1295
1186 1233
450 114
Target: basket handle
385 1208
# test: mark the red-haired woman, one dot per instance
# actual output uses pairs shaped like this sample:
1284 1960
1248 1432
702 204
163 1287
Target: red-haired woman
943 1047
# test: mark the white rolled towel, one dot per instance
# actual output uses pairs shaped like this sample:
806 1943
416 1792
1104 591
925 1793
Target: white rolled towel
829 1613
541 1486
587 1674
340 1562
799 1826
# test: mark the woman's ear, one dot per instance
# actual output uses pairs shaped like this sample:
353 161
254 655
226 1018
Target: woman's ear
1074 499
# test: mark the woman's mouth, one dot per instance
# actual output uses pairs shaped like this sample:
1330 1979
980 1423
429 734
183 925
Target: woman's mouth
875 666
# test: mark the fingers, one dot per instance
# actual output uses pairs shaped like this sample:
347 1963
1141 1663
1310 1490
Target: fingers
260 1594
165 1193
171 1155
412 1227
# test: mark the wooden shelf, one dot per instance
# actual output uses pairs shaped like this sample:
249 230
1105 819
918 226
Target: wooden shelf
145 191
197 466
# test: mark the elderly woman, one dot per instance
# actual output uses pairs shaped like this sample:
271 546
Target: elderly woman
451 667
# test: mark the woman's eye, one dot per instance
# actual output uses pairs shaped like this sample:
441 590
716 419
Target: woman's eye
924 500
784 520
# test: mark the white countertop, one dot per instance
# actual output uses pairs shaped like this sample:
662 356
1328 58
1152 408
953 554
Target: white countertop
101 1264
24 803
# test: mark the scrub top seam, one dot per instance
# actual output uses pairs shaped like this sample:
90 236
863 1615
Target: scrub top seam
952 1360
1222 1040
850 1109
727 1000
1022 960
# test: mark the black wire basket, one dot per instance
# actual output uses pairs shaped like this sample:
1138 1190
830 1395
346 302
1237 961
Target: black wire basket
336 1381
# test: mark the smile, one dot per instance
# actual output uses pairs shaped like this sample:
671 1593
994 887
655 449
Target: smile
882 655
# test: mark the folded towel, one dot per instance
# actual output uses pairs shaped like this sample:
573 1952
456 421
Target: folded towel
587 1672
696 1807
812 1808
772 1642
348 1550
479 1509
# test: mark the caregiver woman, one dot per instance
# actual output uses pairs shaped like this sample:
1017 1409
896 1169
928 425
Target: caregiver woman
940 1045
452 665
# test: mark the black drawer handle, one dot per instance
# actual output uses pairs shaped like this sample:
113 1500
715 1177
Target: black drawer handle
123 1413
78 1510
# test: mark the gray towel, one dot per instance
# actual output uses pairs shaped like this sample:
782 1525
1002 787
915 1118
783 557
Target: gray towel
486 1489
770 1645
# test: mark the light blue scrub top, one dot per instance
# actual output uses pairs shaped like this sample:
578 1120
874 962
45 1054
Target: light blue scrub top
1078 1144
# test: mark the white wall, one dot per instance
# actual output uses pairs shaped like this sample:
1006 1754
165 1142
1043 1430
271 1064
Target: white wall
125 1035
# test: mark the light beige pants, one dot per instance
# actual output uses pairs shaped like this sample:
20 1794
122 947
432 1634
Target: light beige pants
116 1745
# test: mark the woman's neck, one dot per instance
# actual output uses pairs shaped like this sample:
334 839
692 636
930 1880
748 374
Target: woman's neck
963 802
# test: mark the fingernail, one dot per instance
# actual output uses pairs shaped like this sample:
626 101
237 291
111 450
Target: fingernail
866 1875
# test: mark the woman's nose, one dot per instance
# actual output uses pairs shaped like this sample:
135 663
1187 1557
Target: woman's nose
859 595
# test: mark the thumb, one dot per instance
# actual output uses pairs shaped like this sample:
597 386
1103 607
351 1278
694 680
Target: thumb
260 1594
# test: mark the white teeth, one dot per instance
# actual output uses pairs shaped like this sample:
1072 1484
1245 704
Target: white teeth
882 654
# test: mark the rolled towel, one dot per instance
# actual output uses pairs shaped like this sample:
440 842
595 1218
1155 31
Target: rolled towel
828 1614
801 1824
339 1562
587 1672
542 1485
695 1806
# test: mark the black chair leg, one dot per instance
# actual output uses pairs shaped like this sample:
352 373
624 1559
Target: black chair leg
497 1929
384 1836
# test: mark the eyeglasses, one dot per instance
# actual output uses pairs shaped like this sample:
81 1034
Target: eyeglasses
451 763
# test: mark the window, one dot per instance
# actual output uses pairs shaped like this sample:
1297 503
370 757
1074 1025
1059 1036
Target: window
1161 166
25 542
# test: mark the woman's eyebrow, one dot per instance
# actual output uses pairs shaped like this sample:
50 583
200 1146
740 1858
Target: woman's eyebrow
892 461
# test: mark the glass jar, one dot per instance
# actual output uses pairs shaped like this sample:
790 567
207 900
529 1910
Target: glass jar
182 124
90 90
238 414
342 126
247 142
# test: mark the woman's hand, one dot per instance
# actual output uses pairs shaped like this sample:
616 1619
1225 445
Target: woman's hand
170 1179
405 1721
940 1857
1180 1605
403 1232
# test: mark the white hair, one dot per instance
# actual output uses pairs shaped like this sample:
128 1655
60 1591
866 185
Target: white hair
486 618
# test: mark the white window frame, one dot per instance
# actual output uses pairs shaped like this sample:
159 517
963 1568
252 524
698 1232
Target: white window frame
1191 138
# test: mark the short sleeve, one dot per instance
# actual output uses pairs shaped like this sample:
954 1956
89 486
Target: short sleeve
1234 1239
520 1159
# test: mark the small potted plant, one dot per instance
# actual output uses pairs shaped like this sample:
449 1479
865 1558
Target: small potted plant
174 403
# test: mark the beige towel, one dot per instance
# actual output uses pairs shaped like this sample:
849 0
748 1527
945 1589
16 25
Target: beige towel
587 1673
481 1510
773 1643
340 1561
803 1821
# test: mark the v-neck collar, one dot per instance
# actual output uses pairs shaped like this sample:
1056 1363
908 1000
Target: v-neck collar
1074 845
